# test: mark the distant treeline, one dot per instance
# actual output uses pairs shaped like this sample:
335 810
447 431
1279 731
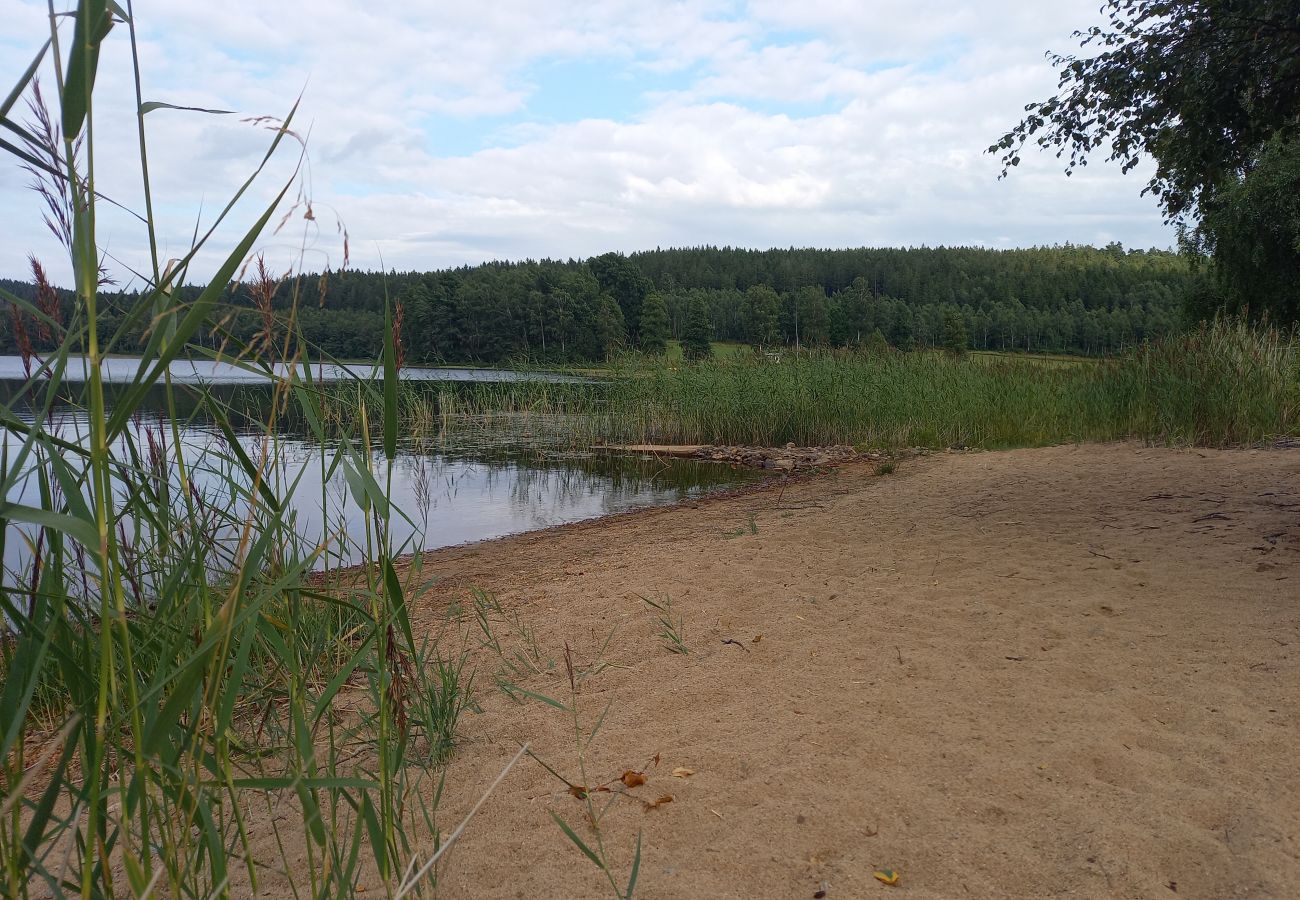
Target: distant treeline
1062 299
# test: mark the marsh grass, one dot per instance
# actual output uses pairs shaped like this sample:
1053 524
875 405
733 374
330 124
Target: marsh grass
186 709
1219 384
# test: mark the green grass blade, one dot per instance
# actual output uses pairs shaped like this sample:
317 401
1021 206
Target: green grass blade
199 312
24 80
150 105
79 529
390 384
577 841
93 23
636 869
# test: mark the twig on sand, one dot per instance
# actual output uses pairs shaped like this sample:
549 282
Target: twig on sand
410 881
737 643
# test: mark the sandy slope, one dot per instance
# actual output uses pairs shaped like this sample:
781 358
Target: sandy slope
1062 672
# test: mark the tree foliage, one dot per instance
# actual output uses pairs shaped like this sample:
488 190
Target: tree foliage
655 327
761 316
956 339
1251 232
1198 85
551 312
621 279
698 332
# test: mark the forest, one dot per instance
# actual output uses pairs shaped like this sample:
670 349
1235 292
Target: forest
1066 299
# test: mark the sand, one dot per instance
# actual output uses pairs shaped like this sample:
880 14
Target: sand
1039 673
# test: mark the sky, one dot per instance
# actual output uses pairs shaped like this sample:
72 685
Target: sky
442 134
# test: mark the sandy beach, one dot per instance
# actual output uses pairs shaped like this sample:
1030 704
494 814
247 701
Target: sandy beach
1038 673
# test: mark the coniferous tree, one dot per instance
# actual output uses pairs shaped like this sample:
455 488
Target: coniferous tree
956 339
623 280
904 331
654 324
762 312
876 343
609 331
696 335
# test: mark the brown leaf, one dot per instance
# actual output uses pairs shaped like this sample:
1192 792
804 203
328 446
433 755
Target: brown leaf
666 798
683 772
757 638
632 779
578 791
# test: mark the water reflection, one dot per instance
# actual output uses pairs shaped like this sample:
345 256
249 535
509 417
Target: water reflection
455 486
122 369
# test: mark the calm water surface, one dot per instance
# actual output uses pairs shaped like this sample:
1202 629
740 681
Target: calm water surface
453 487
120 369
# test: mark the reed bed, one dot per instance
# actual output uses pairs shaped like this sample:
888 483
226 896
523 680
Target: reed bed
186 709
1219 384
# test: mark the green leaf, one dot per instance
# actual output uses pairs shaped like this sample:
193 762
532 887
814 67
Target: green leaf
340 678
636 869
591 736
377 842
24 80
390 383
78 529
365 490
93 24
397 600
542 697
27 157
233 688
196 316
564 826
151 105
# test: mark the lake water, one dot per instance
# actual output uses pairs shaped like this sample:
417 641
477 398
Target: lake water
122 369
459 485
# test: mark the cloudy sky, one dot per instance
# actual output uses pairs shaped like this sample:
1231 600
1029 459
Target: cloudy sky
449 133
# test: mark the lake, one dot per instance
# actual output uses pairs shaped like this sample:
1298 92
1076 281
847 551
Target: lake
460 484
121 369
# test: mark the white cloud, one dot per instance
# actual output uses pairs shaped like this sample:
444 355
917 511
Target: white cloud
819 123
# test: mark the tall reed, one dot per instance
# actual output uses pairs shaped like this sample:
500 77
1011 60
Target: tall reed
186 709
1218 384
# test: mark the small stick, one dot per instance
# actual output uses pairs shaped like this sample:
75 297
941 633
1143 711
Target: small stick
415 879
